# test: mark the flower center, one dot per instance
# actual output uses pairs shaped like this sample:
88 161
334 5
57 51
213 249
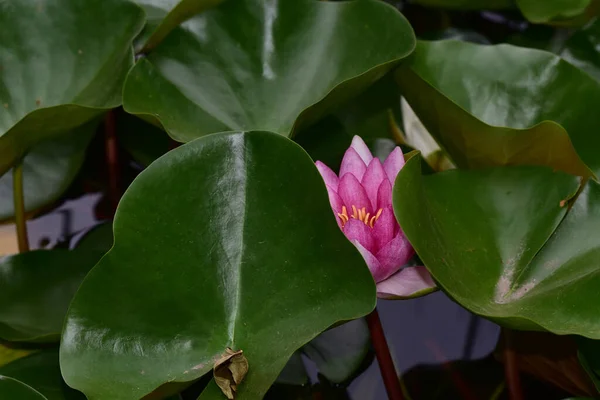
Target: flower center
360 214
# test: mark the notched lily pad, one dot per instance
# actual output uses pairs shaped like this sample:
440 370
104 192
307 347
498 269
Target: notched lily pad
288 64
222 241
50 87
229 371
503 243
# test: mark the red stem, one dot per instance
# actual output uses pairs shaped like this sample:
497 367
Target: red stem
511 371
386 364
112 159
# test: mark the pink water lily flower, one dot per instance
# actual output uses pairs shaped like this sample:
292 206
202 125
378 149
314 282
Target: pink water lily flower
361 198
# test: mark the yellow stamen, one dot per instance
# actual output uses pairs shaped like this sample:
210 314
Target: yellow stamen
359 214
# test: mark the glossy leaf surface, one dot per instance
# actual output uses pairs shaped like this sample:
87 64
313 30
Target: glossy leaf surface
48 170
51 84
41 371
245 238
12 389
504 105
496 241
269 65
35 291
162 16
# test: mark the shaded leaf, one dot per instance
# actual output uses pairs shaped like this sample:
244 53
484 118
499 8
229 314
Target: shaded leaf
41 371
588 352
48 170
339 352
294 373
254 64
467 4
99 239
504 105
547 10
35 291
496 241
144 141
51 86
12 389
243 280
583 49
10 354
550 358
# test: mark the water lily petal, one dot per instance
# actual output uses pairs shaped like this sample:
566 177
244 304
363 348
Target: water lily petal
336 204
353 194
362 149
372 179
385 228
393 256
384 194
357 231
393 164
353 164
330 178
370 259
407 283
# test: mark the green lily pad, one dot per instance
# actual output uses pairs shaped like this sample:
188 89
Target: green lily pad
504 105
274 66
165 15
51 85
583 49
48 170
13 389
35 291
259 265
501 243
545 11
41 371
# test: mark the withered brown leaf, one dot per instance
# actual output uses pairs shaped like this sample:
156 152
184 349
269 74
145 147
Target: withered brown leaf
229 371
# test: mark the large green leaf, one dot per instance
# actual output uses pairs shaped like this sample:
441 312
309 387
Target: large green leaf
583 49
48 170
36 289
62 62
496 241
162 16
268 65
13 389
243 253
504 105
41 371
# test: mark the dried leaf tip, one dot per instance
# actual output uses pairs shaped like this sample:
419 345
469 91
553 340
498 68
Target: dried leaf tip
229 371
